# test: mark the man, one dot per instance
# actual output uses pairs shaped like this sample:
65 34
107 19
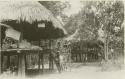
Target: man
57 61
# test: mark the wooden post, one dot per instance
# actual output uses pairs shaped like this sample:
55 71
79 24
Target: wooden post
49 61
8 61
21 57
51 67
0 39
52 61
42 62
21 64
0 62
39 53
80 54
0 52
25 62
39 61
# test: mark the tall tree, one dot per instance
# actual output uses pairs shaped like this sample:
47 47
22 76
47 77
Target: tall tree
99 20
111 16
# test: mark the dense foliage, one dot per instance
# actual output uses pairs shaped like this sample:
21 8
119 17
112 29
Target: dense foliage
100 21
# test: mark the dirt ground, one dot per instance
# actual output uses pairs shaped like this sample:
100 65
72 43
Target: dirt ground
83 72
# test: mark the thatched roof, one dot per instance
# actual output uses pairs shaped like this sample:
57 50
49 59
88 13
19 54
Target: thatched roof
74 36
27 11
27 16
88 44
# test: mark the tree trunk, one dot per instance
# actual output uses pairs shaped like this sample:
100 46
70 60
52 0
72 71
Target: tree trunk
107 48
106 45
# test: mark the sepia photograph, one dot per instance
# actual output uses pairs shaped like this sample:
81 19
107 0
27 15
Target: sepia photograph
64 39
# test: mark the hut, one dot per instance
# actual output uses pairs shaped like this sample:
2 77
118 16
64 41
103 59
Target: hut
34 22
85 50
31 17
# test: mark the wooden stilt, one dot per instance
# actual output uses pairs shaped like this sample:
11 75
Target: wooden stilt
39 54
25 62
80 57
21 65
50 61
8 61
42 62
0 53
39 62
0 62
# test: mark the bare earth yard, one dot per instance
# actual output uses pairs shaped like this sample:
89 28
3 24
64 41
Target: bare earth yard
84 72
